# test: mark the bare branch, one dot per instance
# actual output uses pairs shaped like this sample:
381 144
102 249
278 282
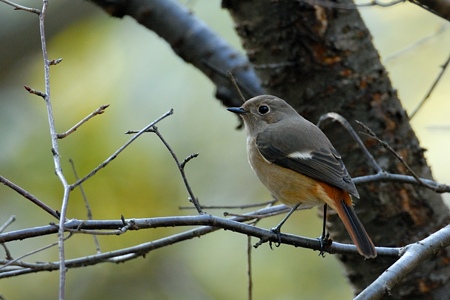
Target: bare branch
211 224
98 111
344 123
17 262
438 7
371 134
194 42
29 196
21 7
233 224
242 206
35 92
249 269
381 175
433 86
181 166
411 256
326 3
417 43
7 223
118 151
388 177
55 150
86 204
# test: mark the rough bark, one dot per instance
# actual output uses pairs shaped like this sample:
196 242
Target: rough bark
321 59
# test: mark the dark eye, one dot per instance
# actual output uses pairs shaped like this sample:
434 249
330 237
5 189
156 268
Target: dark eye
263 109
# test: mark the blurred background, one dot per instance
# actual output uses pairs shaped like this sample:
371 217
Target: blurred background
118 62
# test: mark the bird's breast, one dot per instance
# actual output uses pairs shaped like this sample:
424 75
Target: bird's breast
286 185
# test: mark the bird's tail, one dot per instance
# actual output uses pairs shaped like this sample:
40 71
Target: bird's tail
356 230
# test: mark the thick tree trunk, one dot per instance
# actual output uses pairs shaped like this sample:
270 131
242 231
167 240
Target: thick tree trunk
321 59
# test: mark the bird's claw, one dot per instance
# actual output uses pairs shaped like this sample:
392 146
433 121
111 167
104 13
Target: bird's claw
324 241
277 231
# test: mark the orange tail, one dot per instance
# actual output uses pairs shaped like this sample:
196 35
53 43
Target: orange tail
356 231
341 202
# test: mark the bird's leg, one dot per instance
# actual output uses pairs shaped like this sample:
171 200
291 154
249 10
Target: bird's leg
277 229
324 238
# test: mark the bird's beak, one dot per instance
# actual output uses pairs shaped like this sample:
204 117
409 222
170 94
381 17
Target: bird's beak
237 110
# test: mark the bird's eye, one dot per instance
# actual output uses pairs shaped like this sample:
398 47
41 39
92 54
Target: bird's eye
263 109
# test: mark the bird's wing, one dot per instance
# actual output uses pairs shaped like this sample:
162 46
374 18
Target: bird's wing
314 158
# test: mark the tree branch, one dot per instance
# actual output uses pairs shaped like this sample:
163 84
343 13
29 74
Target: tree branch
118 151
211 224
411 256
194 42
29 196
98 111
438 7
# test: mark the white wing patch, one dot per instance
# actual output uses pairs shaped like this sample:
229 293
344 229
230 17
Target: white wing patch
300 155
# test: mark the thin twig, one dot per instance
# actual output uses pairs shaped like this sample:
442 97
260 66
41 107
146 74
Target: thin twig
236 86
118 151
351 6
240 206
181 166
433 86
400 178
7 223
344 123
55 62
7 253
187 159
29 196
21 7
249 268
55 151
15 260
403 51
2 228
98 111
371 134
35 92
86 204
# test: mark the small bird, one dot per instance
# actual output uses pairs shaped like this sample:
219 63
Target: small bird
297 163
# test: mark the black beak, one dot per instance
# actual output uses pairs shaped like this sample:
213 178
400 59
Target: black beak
237 110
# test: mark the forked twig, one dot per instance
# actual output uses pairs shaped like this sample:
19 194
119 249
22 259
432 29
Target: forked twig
118 151
181 166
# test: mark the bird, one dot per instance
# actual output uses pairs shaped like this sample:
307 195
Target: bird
297 163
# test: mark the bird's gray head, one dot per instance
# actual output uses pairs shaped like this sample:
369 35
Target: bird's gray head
260 111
